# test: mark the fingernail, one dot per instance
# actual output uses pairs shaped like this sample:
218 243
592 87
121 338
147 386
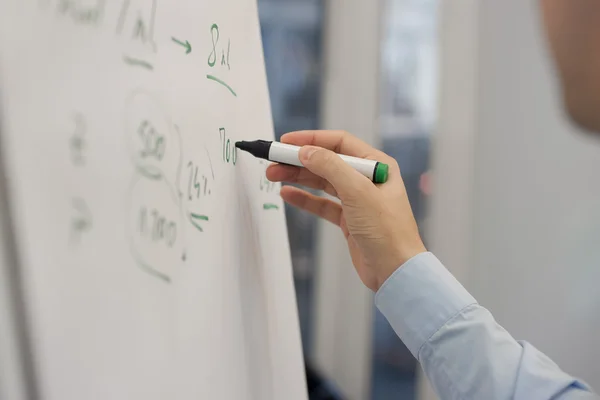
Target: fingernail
306 152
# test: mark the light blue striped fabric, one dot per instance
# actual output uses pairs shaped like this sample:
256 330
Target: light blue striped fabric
463 351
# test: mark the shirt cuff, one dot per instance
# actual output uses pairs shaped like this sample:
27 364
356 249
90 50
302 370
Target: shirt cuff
419 298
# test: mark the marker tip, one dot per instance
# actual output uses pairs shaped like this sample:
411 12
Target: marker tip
242 145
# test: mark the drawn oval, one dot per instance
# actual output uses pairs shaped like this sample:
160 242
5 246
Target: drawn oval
155 228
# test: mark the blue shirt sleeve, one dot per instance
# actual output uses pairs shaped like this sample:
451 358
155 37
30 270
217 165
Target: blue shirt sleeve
463 351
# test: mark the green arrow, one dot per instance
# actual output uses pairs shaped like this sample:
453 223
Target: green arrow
185 44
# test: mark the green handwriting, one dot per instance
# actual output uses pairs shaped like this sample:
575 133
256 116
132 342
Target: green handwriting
186 45
229 149
197 185
138 63
214 33
156 227
214 78
266 185
194 218
80 13
153 142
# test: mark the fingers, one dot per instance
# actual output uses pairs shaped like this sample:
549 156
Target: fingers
301 176
324 208
337 141
347 182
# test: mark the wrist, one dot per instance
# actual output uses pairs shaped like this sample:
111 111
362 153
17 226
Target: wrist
401 258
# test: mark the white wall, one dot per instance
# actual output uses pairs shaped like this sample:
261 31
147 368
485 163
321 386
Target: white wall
516 212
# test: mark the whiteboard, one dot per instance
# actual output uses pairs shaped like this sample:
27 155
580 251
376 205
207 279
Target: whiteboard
154 259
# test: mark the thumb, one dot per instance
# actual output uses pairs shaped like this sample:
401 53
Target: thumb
328 165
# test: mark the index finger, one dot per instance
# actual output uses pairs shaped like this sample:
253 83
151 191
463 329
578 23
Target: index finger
340 142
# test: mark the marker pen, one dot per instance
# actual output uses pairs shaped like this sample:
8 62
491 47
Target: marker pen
288 154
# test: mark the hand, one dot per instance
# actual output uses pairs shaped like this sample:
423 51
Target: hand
376 220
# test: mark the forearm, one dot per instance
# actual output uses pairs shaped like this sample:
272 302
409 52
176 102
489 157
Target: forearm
463 351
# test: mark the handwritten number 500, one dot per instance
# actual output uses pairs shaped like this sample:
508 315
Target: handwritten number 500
153 143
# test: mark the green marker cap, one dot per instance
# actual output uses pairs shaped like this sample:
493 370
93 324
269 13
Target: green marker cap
381 173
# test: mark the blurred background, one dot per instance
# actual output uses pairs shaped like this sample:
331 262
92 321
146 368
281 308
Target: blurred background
462 94
294 44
